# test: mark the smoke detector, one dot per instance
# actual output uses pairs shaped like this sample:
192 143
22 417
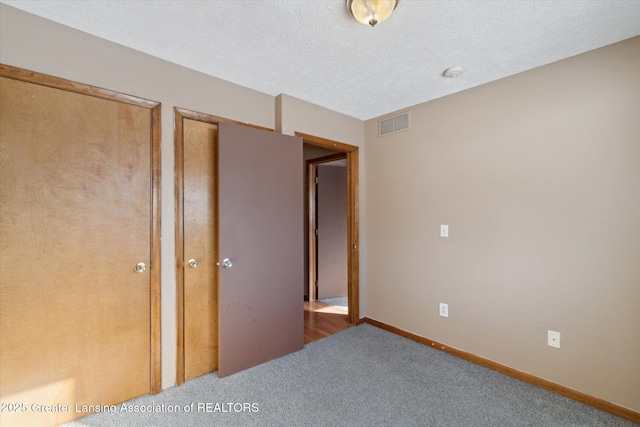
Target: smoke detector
453 72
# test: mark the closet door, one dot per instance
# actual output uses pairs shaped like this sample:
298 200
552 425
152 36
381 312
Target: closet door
261 237
200 243
76 250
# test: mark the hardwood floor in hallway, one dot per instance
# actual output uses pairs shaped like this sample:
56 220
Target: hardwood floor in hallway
322 320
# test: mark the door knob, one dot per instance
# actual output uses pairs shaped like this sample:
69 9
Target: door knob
141 267
226 263
192 263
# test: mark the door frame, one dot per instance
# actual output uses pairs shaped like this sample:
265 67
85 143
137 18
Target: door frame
353 224
180 114
155 384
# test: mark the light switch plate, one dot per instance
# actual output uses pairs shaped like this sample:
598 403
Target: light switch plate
444 231
444 309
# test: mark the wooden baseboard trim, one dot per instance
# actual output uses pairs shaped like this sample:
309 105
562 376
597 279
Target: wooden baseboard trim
597 403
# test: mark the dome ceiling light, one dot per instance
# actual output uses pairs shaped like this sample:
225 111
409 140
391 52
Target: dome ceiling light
371 12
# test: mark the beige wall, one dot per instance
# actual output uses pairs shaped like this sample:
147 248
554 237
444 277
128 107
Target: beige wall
538 178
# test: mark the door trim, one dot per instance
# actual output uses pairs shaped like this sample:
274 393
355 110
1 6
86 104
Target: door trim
353 224
180 114
154 108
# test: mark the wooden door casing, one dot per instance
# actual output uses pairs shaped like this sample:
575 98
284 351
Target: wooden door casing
79 197
353 222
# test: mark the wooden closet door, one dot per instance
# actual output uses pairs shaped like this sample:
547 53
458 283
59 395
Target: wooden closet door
75 209
200 224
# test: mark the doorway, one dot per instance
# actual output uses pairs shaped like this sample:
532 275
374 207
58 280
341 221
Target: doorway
353 252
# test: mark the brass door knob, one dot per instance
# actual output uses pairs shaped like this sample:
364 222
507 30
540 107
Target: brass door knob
192 263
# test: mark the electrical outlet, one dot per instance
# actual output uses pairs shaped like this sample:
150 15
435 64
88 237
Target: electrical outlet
444 231
444 309
553 339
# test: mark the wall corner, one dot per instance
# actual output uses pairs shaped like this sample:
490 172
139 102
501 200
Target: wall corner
279 114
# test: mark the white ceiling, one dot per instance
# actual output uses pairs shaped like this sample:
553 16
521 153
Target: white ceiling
314 50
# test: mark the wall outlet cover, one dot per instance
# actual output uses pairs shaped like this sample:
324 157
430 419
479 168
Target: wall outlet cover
553 339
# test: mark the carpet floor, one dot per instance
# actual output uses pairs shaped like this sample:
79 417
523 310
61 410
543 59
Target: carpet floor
340 303
362 376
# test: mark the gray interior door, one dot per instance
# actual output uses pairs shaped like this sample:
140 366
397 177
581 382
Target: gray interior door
332 251
261 234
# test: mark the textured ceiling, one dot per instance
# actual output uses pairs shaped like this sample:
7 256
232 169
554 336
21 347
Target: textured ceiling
314 50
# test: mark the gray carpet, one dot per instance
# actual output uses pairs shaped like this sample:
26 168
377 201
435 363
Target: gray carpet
363 376
340 303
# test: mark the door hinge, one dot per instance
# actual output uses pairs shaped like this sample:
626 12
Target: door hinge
316 179
316 231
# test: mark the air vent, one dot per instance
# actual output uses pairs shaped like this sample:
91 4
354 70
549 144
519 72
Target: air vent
393 124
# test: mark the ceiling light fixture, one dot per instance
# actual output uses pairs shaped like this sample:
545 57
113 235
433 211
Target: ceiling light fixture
371 12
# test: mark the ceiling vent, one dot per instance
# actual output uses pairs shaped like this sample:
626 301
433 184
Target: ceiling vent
393 124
